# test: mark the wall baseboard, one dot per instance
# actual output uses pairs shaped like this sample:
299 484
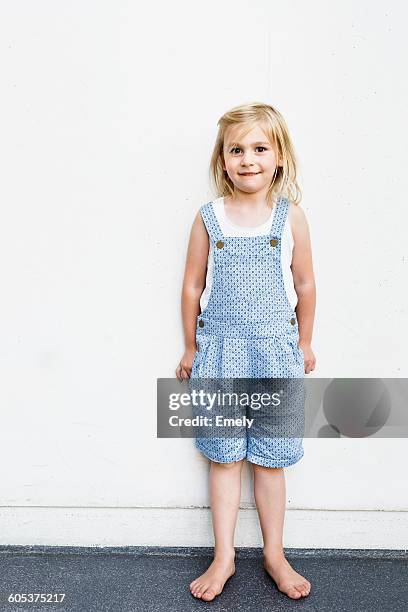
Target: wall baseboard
191 527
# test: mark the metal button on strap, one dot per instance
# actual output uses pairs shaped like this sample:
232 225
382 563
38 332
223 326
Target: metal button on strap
293 321
219 244
201 323
274 242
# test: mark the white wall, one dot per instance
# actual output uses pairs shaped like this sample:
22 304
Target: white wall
109 113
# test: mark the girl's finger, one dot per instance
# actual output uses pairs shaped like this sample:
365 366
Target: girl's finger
184 373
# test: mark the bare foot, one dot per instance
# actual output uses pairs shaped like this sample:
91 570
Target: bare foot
210 584
287 579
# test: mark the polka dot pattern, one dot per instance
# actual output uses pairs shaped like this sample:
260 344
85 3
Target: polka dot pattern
248 330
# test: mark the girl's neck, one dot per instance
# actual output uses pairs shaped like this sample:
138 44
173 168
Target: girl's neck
246 215
246 202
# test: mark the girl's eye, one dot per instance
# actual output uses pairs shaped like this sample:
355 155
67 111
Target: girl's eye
234 149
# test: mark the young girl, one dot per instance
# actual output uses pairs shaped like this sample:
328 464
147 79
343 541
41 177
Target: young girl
249 265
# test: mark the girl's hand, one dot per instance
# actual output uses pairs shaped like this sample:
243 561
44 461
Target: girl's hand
310 359
183 370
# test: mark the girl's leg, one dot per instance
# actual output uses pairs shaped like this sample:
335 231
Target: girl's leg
270 498
225 495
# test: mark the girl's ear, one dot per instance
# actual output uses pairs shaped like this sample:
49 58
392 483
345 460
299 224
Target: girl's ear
279 163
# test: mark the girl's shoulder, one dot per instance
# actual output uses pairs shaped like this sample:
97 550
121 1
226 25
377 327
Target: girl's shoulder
211 212
209 215
215 204
296 212
298 220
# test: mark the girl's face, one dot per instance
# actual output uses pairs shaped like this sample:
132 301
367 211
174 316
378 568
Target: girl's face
250 161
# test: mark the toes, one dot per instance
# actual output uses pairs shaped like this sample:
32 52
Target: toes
304 587
201 588
209 594
294 593
195 588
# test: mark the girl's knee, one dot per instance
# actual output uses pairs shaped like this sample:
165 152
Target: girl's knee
264 468
229 464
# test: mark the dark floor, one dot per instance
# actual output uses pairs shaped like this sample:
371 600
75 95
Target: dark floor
151 579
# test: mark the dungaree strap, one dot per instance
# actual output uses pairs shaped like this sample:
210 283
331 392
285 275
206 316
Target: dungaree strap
210 221
279 217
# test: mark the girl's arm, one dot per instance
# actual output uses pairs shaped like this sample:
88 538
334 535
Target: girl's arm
193 286
304 282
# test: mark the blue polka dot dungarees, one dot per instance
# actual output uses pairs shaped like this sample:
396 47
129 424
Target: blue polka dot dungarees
248 330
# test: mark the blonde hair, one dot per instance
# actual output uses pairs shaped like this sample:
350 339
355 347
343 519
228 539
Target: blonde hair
284 183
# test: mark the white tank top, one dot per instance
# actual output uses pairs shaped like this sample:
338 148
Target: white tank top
230 229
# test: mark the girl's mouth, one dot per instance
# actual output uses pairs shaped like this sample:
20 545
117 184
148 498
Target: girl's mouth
249 173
